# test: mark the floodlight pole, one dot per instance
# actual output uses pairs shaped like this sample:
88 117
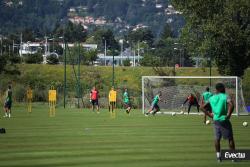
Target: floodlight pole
79 87
174 59
113 71
105 51
210 70
65 83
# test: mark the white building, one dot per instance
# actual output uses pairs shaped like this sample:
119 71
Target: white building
29 48
85 46
118 60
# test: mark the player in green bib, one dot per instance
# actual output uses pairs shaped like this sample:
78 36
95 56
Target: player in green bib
222 108
205 98
154 106
126 101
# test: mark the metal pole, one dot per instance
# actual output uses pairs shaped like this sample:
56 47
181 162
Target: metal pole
236 98
113 69
138 61
143 96
65 83
180 57
174 61
9 49
122 53
13 47
134 50
78 91
45 46
21 44
53 44
1 45
210 70
105 52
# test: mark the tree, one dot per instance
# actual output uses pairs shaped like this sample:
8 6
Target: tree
106 35
91 56
3 63
75 53
8 63
28 35
141 35
74 33
167 32
219 30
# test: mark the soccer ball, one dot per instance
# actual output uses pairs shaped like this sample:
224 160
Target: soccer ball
245 124
208 122
173 114
181 112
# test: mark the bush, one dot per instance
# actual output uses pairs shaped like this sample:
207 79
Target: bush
33 58
15 59
150 60
19 92
52 59
40 95
126 62
3 63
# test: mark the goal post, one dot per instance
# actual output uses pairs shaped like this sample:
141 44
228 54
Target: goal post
175 90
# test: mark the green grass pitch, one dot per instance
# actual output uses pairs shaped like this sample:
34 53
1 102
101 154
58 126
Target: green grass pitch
83 138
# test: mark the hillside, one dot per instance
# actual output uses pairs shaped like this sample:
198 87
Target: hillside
43 16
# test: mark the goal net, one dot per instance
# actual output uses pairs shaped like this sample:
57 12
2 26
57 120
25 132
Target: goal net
175 90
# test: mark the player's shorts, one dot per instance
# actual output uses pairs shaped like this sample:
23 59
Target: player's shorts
8 104
223 129
208 108
112 103
126 105
95 102
195 103
155 106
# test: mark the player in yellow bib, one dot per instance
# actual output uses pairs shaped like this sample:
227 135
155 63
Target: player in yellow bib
112 99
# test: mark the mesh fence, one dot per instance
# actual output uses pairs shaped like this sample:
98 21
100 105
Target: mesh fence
176 89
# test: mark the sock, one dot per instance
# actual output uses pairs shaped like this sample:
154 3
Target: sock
218 154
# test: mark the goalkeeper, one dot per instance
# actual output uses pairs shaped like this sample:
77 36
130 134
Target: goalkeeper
154 106
192 101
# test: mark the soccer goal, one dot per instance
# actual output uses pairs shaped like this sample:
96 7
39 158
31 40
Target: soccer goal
175 90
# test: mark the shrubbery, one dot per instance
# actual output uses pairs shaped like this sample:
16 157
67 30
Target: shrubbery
33 58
